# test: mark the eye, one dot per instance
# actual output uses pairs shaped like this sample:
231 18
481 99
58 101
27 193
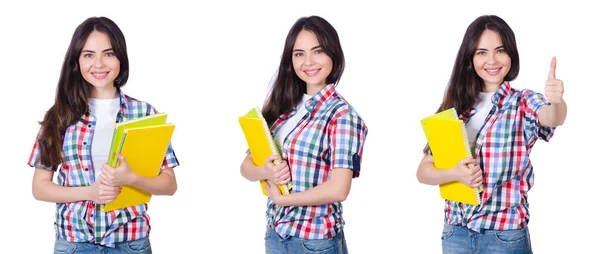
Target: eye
298 54
109 54
501 51
318 51
480 53
88 55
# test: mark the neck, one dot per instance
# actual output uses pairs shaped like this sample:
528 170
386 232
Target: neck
106 93
313 89
489 88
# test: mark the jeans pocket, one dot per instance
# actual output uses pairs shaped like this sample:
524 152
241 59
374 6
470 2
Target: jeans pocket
322 246
447 232
141 245
516 239
62 246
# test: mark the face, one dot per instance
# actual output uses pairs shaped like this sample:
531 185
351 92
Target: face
491 61
98 63
311 64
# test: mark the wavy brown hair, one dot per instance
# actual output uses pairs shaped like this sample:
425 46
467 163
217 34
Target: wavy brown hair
288 87
465 84
73 90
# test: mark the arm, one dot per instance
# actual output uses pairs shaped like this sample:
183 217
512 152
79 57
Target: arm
427 173
555 114
336 189
279 174
250 171
44 189
163 184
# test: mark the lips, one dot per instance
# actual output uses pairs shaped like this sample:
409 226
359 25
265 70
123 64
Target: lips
493 72
99 75
312 73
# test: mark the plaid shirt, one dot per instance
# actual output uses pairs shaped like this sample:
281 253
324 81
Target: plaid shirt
331 135
502 150
84 221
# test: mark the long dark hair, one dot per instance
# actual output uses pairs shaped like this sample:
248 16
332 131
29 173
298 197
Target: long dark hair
288 87
465 84
73 90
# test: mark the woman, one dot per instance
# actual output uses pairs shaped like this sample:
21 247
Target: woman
503 124
74 140
321 137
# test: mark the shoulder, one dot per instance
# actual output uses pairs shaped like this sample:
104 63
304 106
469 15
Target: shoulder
341 108
138 107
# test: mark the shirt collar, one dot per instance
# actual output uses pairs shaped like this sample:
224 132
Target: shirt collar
502 92
319 97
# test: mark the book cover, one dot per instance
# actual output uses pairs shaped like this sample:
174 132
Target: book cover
447 138
260 143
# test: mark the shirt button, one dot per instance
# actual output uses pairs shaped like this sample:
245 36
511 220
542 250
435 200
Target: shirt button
85 143
89 125
86 169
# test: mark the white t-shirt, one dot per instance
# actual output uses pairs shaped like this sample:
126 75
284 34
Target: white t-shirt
291 123
483 105
105 111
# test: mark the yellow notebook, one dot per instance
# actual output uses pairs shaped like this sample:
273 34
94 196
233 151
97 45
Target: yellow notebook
260 143
150 120
449 143
144 149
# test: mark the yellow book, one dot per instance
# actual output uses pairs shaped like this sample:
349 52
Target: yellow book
260 143
449 143
144 149
150 120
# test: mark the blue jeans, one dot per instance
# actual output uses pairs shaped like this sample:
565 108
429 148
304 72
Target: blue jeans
274 244
459 240
141 246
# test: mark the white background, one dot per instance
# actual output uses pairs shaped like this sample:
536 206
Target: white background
206 65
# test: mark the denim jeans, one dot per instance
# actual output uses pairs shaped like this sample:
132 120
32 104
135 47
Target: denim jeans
141 246
275 244
459 240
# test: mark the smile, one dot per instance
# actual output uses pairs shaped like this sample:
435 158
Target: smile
99 75
312 73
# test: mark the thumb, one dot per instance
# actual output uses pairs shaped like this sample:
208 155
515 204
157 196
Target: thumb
552 74
121 158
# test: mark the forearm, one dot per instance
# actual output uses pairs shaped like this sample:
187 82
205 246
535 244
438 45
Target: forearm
336 189
250 171
50 192
429 174
553 115
163 184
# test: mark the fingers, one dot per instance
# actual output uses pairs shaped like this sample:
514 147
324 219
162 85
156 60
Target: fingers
552 73
468 161
284 180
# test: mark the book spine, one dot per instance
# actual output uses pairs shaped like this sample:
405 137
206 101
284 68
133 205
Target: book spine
274 150
470 154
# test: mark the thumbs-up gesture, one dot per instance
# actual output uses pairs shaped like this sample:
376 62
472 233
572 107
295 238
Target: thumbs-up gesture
119 176
554 87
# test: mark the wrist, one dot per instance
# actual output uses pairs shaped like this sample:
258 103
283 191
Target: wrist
131 179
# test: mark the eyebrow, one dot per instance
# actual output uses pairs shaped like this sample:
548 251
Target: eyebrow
499 47
91 51
313 48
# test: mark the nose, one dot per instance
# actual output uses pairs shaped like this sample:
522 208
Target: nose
99 62
308 61
492 59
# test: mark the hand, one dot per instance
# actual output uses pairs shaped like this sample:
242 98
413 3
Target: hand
101 193
119 176
273 191
277 174
554 87
469 176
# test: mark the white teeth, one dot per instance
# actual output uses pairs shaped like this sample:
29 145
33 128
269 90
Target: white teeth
312 72
99 75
